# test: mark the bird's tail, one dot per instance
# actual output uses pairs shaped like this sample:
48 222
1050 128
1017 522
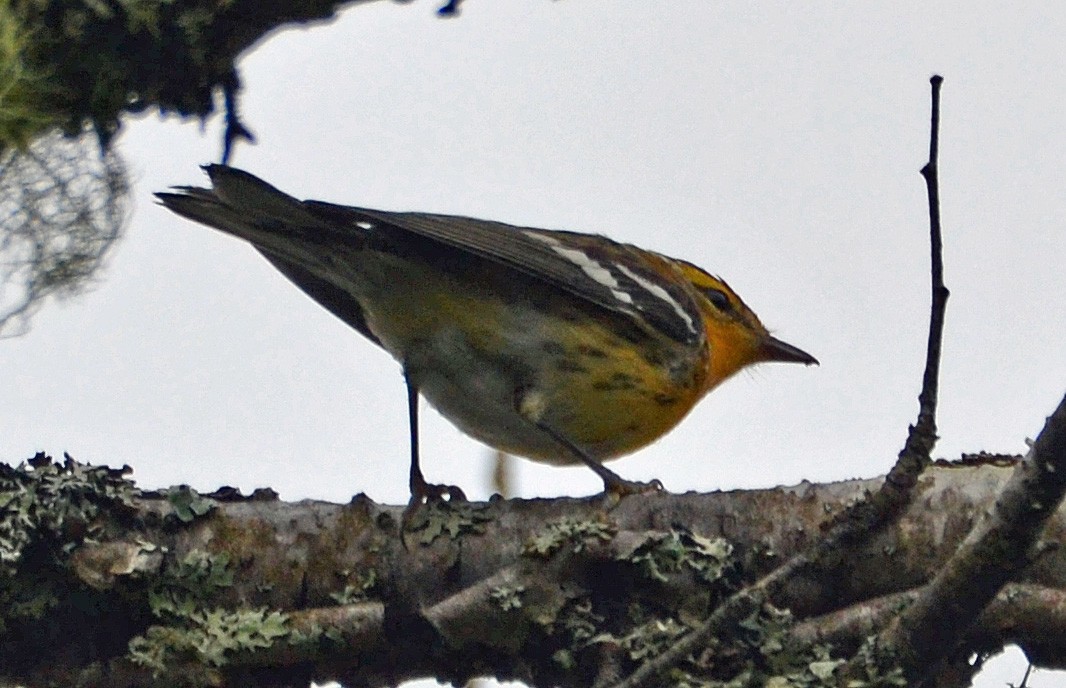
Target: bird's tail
282 228
245 206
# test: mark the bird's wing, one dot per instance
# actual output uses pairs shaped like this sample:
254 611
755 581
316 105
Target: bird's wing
614 276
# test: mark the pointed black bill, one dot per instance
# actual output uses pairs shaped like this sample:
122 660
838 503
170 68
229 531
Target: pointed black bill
773 349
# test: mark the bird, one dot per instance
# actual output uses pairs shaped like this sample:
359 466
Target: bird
558 346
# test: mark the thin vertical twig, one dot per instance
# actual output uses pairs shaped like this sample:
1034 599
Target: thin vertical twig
928 397
918 448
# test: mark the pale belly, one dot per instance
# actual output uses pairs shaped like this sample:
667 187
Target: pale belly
482 398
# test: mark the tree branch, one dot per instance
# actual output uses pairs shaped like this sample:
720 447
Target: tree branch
997 550
1030 616
175 587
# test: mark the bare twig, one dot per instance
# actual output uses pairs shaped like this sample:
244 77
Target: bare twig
998 548
916 454
918 448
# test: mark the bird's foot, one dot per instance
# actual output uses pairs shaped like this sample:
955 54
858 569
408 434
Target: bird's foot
425 493
440 511
616 487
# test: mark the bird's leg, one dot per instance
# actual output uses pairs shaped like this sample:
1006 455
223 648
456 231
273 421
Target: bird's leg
530 405
613 484
417 481
421 491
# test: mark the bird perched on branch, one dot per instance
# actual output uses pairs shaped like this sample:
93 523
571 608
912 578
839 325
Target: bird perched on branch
557 346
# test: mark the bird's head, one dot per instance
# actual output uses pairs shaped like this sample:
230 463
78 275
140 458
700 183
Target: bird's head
736 338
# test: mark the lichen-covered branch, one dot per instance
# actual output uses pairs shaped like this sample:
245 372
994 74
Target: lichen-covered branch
106 586
1033 616
995 551
79 63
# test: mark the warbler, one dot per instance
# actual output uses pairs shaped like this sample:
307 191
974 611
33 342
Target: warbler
558 346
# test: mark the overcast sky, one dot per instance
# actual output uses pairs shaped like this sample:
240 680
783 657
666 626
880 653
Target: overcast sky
774 144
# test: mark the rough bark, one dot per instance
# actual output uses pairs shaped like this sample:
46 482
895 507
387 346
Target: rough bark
221 590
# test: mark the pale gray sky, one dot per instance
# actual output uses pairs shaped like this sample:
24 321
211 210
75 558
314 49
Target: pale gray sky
776 145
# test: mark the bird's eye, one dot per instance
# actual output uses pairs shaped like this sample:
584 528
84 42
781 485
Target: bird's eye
719 299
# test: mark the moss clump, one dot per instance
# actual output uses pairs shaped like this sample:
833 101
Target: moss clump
24 87
105 59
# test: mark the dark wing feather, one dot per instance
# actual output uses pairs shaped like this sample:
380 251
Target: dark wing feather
609 274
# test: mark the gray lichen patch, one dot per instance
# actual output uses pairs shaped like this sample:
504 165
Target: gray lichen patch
47 510
57 505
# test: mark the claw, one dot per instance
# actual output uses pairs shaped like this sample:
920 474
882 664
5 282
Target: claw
619 487
425 498
425 493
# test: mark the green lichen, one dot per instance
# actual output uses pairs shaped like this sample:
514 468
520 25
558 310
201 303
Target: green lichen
48 509
763 655
508 597
760 653
564 657
193 629
188 584
208 637
314 638
188 504
576 625
569 532
63 504
28 603
451 519
646 640
580 622
57 506
672 552
357 591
